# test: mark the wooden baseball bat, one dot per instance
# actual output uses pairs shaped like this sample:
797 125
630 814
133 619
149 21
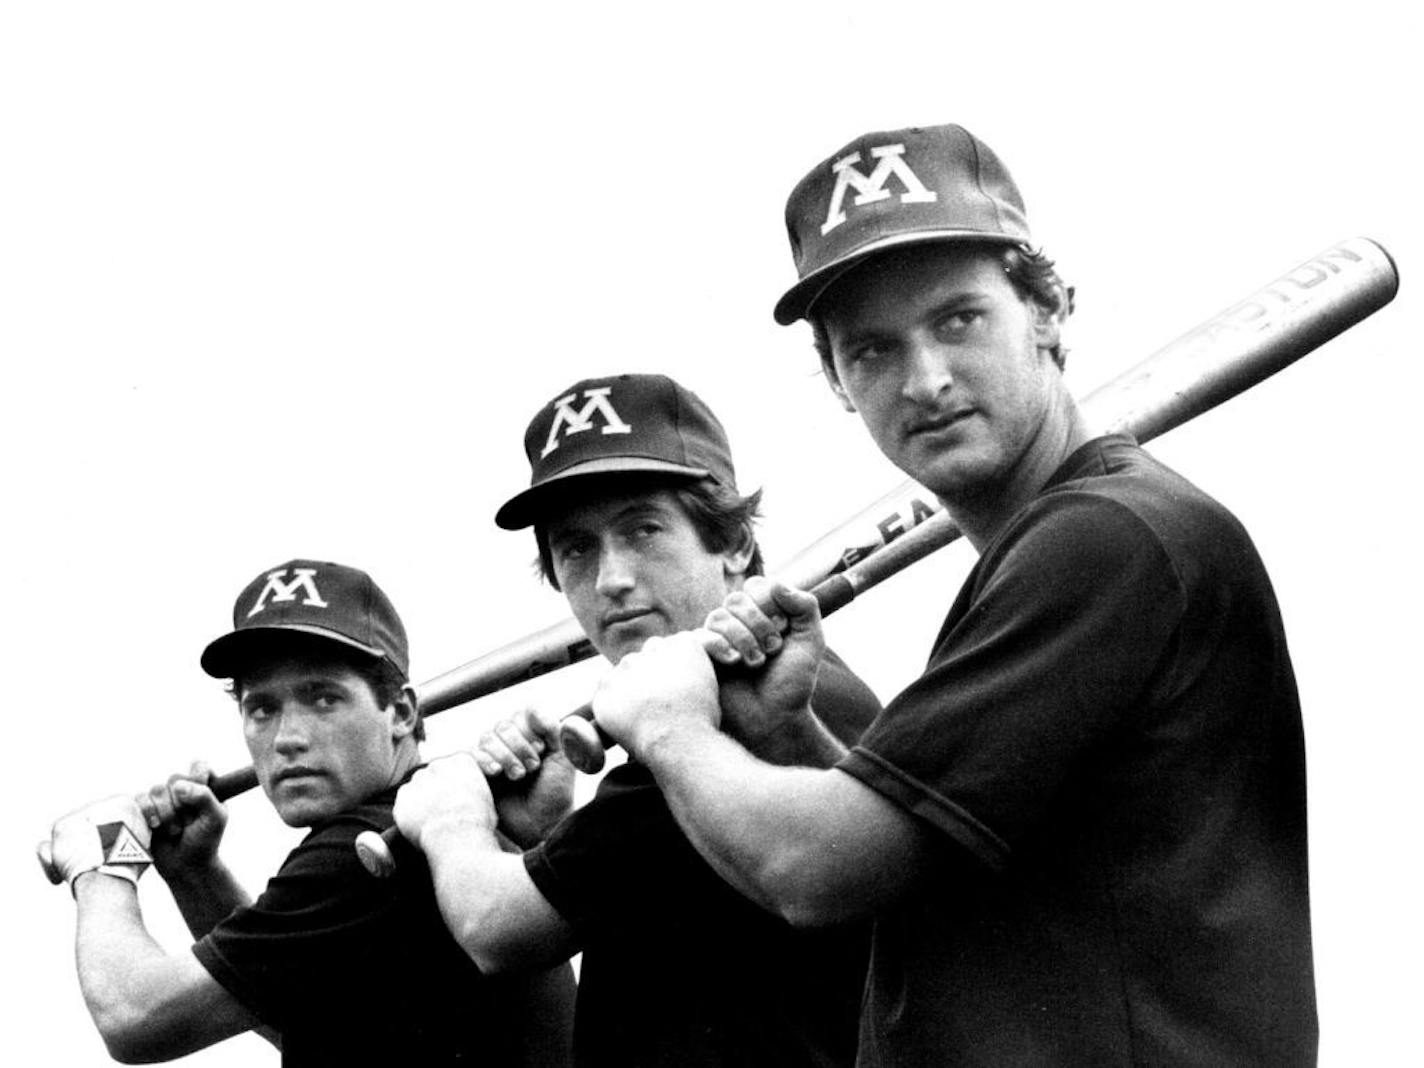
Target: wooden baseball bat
1223 356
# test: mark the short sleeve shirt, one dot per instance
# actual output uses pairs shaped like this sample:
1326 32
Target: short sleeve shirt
1107 741
352 969
680 969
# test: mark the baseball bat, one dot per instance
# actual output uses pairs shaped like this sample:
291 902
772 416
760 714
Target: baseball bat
1225 355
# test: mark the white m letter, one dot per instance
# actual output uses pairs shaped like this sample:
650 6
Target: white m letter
287 591
868 190
572 422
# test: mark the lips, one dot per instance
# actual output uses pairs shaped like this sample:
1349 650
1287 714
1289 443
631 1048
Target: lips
623 615
293 773
933 424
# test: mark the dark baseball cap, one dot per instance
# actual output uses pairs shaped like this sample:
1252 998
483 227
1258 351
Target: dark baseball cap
891 189
619 424
326 600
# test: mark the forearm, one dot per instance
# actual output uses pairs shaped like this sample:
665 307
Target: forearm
488 901
146 1004
810 844
799 741
206 897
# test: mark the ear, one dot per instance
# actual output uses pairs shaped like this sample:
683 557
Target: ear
738 558
1047 325
833 380
405 713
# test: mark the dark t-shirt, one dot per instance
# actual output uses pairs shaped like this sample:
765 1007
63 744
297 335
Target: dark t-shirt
1108 741
679 970
357 970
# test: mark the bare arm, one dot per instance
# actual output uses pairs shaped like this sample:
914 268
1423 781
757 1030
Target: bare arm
489 903
187 822
525 750
812 844
147 1005
767 637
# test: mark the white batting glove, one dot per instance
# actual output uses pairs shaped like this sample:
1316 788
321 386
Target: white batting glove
109 836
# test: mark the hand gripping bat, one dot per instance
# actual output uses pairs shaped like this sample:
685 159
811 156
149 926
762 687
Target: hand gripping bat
1223 356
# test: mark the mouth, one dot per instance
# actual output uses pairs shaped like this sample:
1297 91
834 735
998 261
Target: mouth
294 774
624 615
938 423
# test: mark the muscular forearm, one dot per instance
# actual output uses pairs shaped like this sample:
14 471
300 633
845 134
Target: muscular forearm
206 897
811 844
146 1004
489 902
800 741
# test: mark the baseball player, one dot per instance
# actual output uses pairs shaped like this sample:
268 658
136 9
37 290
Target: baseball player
332 966
638 520
1082 831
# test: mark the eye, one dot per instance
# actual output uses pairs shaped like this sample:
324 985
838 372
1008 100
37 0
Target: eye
257 711
870 352
570 551
957 324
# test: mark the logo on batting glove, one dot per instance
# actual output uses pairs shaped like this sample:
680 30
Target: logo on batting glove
109 837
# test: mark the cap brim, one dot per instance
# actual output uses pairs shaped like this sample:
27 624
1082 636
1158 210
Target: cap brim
525 509
224 656
797 301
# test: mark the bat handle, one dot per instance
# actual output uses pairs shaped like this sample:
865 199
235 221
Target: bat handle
223 787
583 741
45 855
377 851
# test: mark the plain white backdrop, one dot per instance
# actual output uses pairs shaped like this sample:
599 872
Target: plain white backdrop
289 279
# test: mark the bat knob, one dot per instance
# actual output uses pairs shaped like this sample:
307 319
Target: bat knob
582 744
46 858
376 855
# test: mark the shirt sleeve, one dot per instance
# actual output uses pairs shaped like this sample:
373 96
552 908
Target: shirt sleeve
321 923
1055 637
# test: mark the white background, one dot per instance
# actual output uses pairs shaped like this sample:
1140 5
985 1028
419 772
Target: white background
289 279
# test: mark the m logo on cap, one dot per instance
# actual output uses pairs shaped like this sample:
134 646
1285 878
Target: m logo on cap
568 421
869 190
279 590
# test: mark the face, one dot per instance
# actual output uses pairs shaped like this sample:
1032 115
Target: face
318 739
947 365
633 565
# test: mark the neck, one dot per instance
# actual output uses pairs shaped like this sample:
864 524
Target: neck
983 512
407 760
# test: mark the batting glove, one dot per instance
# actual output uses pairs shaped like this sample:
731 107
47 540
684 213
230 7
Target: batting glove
109 837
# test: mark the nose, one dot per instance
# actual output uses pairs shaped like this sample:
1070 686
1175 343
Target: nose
616 575
927 371
291 736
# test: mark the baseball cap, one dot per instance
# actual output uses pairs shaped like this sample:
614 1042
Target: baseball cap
313 597
885 190
616 425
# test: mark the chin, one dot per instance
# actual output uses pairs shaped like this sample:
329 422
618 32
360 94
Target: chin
304 810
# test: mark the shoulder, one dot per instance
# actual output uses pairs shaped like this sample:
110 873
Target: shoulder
327 855
1114 496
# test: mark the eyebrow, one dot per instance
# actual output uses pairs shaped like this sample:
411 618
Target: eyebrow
633 510
304 687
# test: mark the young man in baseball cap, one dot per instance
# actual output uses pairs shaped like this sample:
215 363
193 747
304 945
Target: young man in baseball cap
332 966
634 503
1082 832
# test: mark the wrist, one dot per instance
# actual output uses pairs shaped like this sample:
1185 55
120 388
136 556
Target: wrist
94 884
456 830
666 738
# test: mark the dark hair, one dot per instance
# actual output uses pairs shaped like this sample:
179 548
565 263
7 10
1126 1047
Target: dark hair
384 679
722 517
1031 273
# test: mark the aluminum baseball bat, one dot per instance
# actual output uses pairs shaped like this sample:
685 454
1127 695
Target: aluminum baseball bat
1225 355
